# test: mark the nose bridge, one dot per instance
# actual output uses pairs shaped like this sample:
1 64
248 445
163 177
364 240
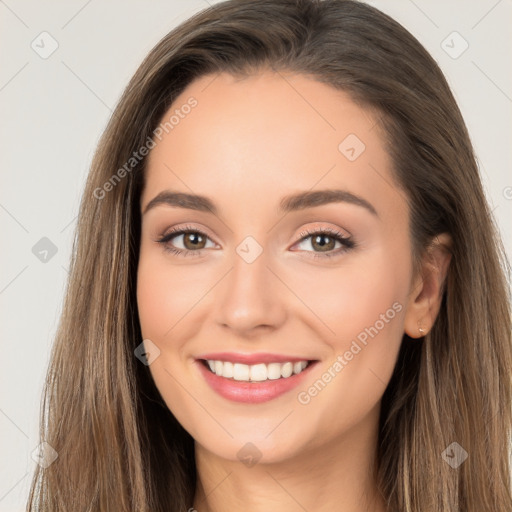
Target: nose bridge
249 296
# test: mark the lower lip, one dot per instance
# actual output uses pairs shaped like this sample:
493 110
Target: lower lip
252 392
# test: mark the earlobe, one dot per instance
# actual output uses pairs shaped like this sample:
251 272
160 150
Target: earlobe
428 288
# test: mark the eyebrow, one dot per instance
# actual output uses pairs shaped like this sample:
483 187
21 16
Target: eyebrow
295 202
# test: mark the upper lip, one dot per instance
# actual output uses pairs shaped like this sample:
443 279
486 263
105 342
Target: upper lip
254 358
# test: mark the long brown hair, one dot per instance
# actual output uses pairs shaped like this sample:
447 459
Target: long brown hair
119 447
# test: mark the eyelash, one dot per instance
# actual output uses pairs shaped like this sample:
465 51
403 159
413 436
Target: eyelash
347 242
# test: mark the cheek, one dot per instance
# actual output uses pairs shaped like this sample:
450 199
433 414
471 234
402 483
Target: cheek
368 301
363 305
154 299
164 294
353 297
367 320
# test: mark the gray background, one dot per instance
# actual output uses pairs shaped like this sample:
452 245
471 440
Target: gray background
54 109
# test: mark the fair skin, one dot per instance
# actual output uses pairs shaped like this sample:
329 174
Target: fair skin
247 144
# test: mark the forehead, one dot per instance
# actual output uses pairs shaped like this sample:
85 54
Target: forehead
264 136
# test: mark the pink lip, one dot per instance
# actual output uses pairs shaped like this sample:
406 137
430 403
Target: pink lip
251 392
263 357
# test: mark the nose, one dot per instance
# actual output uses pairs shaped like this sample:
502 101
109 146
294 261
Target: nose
251 298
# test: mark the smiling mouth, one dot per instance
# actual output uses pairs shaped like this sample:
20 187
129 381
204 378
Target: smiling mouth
257 372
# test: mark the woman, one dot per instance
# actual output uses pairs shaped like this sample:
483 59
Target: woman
287 290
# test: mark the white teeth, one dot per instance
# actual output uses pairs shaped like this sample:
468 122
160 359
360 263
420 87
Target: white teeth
227 369
240 371
286 370
297 367
256 372
274 371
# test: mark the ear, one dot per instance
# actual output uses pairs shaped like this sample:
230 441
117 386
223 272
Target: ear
427 288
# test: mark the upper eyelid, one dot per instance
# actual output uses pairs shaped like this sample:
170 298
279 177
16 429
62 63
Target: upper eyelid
337 232
181 230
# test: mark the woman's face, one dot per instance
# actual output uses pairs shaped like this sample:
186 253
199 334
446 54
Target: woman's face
296 252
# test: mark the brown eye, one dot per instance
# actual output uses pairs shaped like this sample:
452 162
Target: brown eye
325 243
185 241
319 241
193 240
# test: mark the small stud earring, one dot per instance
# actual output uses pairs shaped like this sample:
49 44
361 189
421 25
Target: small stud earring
422 331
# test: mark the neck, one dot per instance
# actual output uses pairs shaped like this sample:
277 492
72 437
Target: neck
338 475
